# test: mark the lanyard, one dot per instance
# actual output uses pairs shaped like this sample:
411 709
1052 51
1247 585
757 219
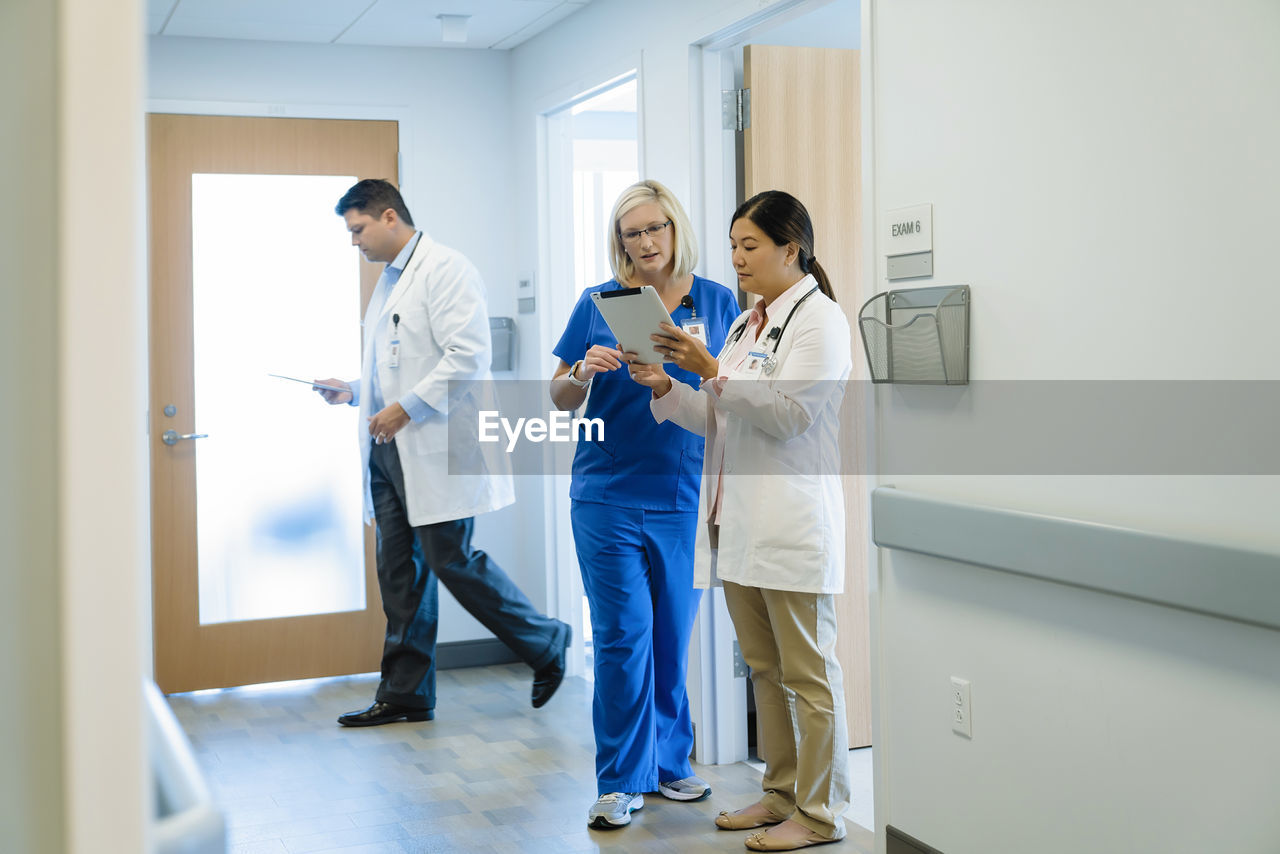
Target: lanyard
417 238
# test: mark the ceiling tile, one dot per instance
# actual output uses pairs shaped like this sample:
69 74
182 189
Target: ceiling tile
277 20
495 24
527 32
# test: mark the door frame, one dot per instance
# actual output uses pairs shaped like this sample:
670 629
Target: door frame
245 109
402 116
563 580
253 109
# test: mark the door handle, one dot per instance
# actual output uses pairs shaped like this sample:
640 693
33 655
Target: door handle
172 437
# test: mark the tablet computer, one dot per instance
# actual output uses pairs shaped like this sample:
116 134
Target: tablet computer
308 382
633 314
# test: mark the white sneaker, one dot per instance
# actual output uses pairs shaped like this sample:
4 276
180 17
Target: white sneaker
688 789
614 809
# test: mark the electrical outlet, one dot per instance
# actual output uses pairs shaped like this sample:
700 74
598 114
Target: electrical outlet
961 709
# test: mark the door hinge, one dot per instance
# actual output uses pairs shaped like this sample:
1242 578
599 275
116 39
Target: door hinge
735 109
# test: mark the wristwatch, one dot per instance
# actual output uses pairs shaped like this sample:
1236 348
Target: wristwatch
573 376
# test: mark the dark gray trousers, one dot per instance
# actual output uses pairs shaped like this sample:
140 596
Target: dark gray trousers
410 559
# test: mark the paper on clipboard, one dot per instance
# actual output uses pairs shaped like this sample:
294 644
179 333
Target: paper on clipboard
633 314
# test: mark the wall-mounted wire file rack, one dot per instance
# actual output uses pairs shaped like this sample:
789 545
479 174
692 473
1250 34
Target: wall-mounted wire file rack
918 335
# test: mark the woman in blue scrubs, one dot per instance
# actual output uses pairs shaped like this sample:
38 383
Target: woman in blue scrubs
634 511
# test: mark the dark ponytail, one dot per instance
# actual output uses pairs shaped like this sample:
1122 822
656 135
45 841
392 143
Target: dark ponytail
784 219
824 283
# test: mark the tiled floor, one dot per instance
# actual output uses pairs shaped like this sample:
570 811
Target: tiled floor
489 774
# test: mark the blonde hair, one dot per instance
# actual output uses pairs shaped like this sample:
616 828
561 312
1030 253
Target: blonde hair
686 245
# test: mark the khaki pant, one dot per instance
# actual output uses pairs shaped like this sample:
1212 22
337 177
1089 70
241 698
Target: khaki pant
789 640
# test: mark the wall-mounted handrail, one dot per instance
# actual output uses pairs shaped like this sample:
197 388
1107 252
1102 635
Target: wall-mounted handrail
1207 578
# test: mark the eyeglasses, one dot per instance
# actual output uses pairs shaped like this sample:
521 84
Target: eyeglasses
653 231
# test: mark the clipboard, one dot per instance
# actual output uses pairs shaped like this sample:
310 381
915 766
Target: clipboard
633 314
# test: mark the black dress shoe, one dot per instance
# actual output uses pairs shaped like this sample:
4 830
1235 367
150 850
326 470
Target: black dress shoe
384 713
547 679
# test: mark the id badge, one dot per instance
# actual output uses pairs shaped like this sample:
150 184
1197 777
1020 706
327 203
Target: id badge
696 327
753 364
393 355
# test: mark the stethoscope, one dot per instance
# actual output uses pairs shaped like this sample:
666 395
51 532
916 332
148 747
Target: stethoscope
775 334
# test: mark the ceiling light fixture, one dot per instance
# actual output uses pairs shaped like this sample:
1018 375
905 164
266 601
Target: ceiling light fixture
453 28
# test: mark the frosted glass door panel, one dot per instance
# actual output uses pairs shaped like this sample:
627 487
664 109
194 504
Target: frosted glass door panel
278 480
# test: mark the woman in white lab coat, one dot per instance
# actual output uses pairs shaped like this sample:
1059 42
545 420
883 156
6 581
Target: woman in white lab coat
771 511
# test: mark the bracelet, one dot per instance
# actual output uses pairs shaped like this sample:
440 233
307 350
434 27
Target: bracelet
573 379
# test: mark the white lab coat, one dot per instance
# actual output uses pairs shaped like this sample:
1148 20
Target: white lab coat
782 522
445 352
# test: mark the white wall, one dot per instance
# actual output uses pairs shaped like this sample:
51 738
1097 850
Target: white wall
838 24
1100 724
103 542
453 106
1101 175
32 804
457 175
1109 198
73 490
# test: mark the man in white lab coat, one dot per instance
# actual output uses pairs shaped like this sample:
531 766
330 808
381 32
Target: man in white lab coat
426 359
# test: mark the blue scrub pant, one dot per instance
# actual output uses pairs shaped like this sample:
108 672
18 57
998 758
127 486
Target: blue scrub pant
637 568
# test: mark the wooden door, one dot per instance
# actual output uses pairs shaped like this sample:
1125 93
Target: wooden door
190 655
805 138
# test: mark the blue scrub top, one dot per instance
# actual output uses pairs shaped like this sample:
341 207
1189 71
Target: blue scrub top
639 463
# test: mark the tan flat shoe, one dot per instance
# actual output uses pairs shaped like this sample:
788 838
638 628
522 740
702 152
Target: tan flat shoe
736 820
765 842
